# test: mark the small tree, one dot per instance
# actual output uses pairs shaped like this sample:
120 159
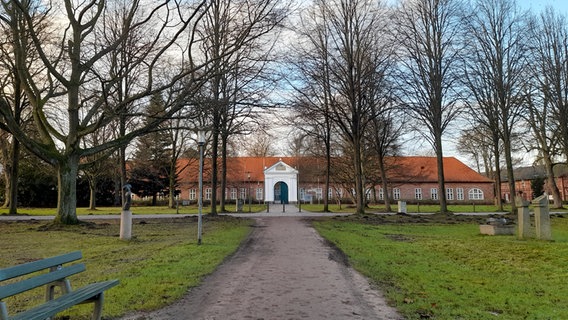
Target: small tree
150 171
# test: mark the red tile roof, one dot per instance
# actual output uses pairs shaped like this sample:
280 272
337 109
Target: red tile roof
238 168
400 169
423 169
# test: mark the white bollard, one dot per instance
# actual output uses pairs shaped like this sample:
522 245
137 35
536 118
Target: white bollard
125 224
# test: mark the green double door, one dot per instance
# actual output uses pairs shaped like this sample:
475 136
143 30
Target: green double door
281 193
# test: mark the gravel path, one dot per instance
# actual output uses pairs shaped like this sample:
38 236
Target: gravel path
284 271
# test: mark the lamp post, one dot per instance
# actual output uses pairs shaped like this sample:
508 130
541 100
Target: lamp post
250 191
299 193
200 143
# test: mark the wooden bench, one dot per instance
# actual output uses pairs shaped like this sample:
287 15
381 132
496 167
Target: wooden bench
56 277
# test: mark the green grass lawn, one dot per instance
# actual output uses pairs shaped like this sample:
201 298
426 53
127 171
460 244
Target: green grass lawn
450 271
413 208
155 268
136 210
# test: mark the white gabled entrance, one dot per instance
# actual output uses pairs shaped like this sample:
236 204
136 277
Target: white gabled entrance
281 183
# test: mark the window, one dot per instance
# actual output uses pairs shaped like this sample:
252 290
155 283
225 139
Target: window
450 194
191 194
208 193
418 193
381 194
459 192
396 194
233 193
434 193
243 193
475 194
330 193
259 193
319 193
302 194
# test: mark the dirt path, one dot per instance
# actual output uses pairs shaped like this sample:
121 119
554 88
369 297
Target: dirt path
284 271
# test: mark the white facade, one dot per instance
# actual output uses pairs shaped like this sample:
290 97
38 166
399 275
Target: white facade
281 172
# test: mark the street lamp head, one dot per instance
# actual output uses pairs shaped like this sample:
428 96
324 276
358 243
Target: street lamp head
201 137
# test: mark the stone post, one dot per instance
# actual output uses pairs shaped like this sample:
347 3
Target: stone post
126 225
523 218
542 218
402 207
126 214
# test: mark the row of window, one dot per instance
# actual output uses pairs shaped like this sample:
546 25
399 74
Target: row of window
473 194
232 194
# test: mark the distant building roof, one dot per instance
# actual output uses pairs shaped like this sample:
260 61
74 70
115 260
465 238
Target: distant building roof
531 172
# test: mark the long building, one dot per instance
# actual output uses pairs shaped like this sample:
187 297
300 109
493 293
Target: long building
290 179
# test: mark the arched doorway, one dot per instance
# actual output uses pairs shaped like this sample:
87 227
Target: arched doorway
281 183
281 192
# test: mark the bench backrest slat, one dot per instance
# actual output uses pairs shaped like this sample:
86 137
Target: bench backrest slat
40 280
27 268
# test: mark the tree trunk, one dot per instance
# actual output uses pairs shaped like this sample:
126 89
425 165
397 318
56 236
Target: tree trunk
93 194
510 174
214 169
11 178
122 156
551 181
7 182
67 170
497 175
172 184
359 187
441 176
327 175
223 173
13 208
384 182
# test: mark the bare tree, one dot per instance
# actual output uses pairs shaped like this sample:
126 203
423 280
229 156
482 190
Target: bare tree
384 138
97 166
70 100
261 145
313 101
128 73
547 103
12 26
476 143
496 73
346 58
551 54
484 145
179 137
236 86
428 32
545 135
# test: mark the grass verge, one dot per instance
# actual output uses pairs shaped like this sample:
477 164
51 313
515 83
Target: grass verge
450 271
414 208
155 268
136 210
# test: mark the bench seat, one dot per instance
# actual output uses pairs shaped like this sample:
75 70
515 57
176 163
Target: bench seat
56 277
52 307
